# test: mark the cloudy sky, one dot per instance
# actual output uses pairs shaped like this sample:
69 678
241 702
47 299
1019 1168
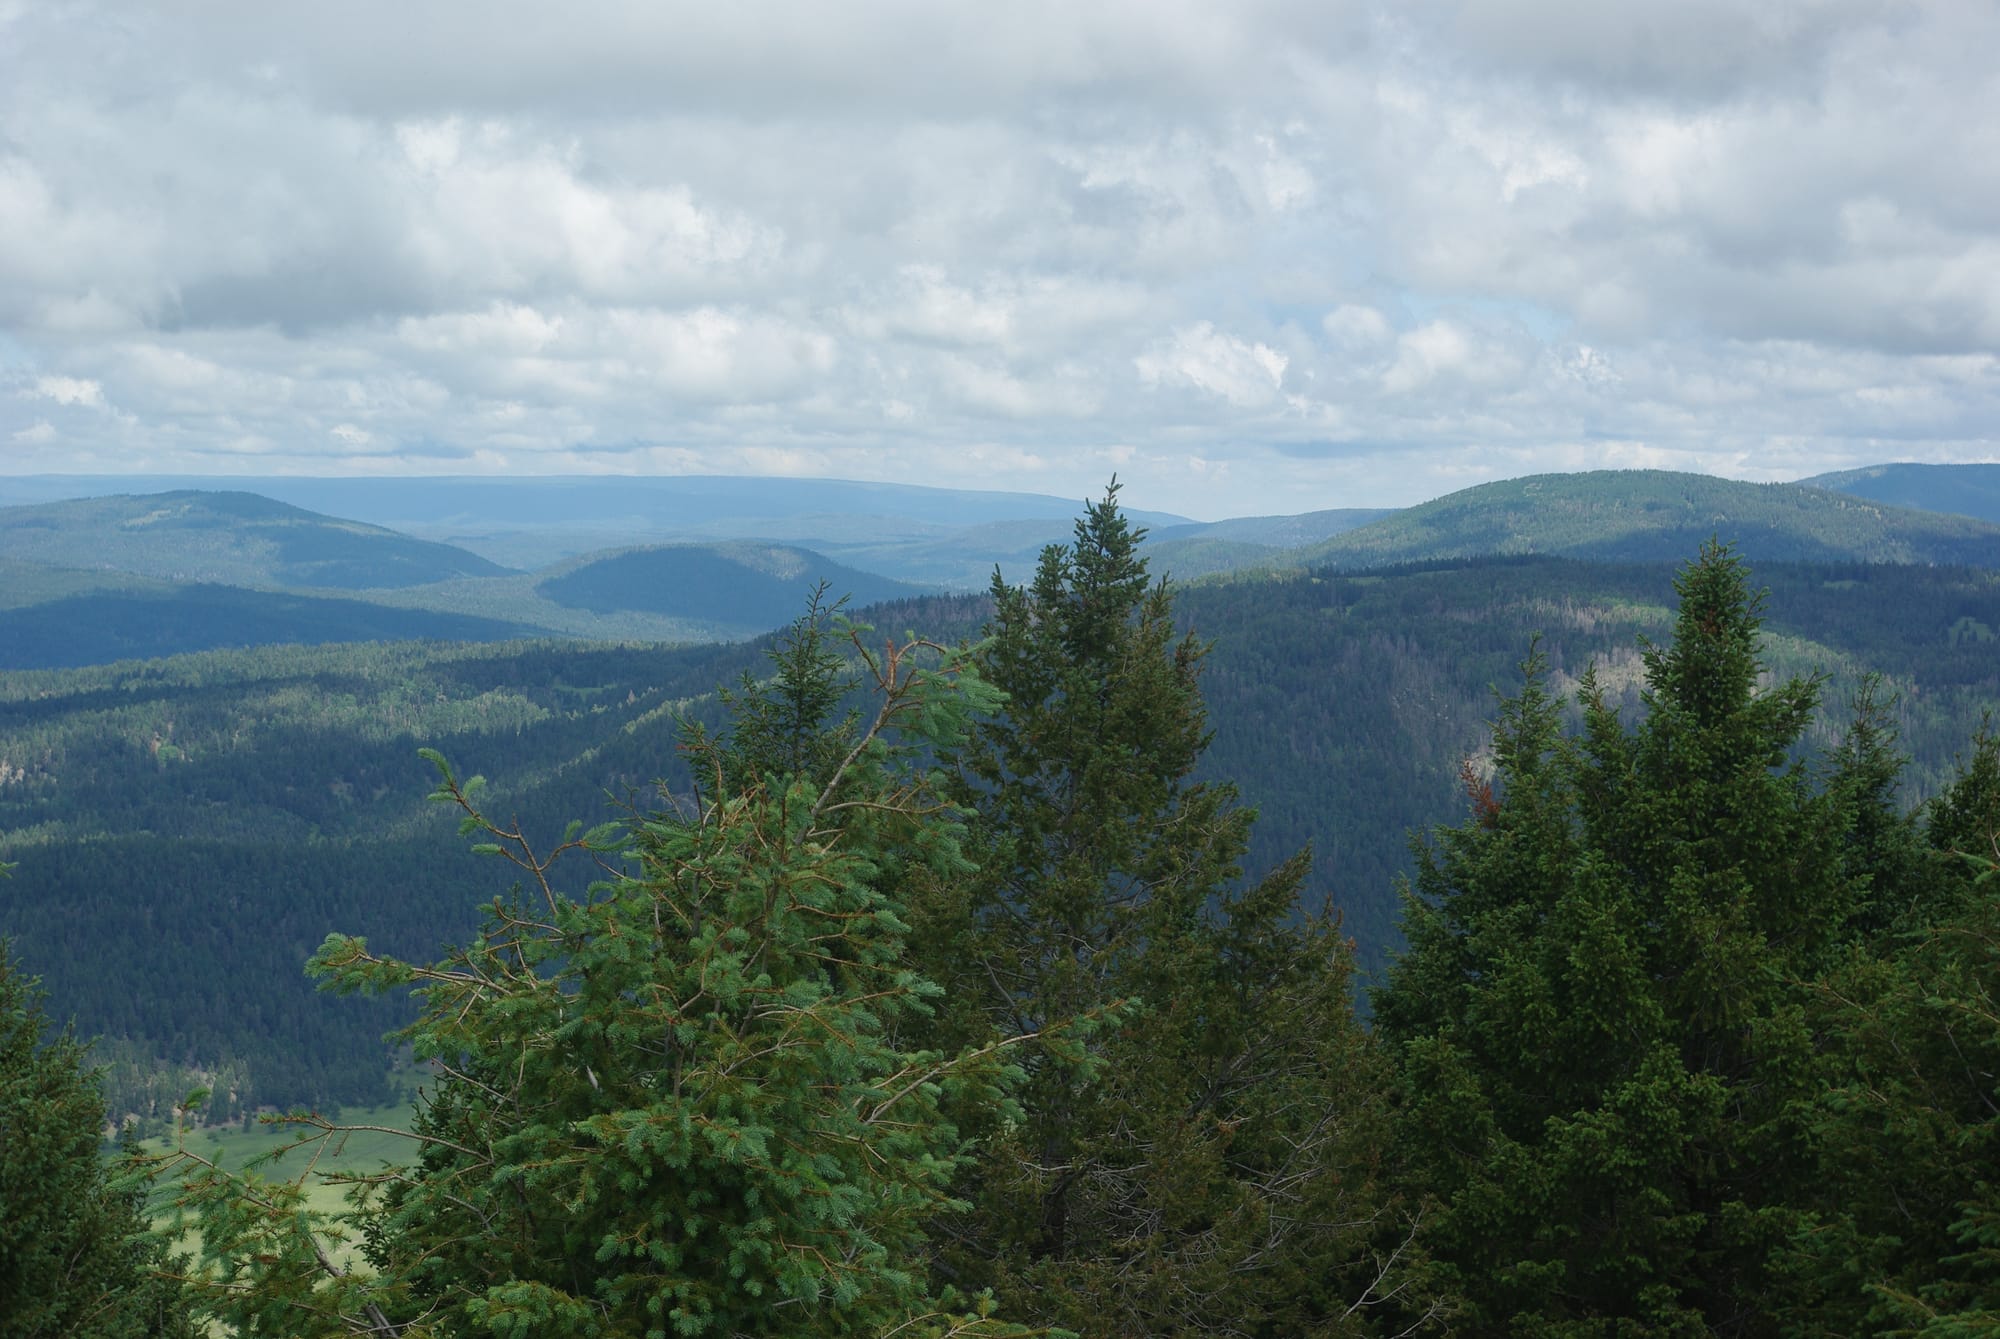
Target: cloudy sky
1254 257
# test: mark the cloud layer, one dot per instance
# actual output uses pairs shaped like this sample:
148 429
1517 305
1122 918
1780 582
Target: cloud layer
1253 256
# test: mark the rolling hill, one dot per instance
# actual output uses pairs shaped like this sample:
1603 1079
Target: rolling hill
23 584
1657 516
238 539
745 586
1961 490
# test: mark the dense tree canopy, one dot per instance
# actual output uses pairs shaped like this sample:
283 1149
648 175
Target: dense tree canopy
1597 1018
1905 1219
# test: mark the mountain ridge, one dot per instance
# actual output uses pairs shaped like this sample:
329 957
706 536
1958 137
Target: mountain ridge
233 538
1657 516
1960 490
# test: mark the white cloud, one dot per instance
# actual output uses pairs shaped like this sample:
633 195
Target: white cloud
1445 350
1352 326
504 328
1342 253
70 391
1248 375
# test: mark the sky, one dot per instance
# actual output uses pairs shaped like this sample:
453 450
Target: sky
1251 257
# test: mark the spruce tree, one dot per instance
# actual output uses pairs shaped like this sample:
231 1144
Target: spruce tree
1599 1015
1895 875
677 1105
1905 1237
76 1257
1210 1163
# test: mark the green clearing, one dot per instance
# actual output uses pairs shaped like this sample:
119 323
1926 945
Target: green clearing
273 1150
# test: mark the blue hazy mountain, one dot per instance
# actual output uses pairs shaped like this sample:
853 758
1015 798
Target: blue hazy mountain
747 585
1962 490
240 539
529 522
1658 516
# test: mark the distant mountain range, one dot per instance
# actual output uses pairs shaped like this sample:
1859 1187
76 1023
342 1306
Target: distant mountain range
1964 490
84 580
953 538
242 539
532 522
1658 516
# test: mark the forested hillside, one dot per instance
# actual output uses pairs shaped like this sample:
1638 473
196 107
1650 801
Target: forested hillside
152 620
218 809
186 829
1344 704
740 585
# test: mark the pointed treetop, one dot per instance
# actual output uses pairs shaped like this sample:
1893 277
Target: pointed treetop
1710 671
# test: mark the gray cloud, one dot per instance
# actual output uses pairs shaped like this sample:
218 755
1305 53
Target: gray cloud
1255 257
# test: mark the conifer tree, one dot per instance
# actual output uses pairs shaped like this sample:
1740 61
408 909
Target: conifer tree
76 1257
790 724
1895 875
1963 821
677 1105
1906 1231
1210 1165
1598 1018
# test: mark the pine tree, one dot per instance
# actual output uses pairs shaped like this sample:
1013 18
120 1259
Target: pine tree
676 1105
76 1256
1598 1018
1208 1165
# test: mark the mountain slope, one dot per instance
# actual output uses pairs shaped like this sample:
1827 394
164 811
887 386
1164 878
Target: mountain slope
745 585
1278 532
1961 490
102 626
239 539
25 583
1658 516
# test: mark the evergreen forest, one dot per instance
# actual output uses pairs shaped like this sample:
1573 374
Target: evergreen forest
1490 946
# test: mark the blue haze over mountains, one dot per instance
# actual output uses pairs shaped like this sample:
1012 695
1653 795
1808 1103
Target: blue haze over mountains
98 569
